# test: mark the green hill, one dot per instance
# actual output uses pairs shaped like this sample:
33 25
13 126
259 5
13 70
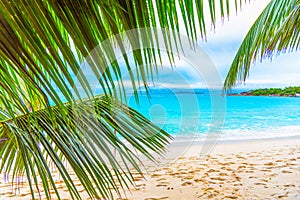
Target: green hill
288 91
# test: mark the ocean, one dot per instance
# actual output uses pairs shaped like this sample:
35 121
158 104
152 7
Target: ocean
196 113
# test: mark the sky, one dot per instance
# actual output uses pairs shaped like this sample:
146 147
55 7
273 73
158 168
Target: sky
207 67
222 44
281 71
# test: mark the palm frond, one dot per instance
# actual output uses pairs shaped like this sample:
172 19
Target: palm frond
276 31
42 44
43 31
85 136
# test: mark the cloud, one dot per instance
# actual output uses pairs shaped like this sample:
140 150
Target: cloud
221 47
281 71
238 23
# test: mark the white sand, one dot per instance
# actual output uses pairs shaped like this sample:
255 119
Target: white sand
261 169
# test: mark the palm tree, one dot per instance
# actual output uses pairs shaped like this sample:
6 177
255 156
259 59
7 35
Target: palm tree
45 122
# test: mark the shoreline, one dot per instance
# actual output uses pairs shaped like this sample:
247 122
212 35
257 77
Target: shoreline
232 141
252 95
181 147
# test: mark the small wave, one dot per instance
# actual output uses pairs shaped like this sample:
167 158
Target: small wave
241 134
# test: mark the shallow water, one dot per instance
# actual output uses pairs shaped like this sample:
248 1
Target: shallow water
200 112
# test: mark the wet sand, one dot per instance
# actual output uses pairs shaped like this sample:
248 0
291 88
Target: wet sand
261 169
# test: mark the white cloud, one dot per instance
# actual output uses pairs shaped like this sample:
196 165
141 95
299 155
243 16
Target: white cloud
238 24
222 44
282 71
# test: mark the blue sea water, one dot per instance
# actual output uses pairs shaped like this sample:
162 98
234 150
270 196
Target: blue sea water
200 112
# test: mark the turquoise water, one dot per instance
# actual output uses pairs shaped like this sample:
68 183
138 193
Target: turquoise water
194 112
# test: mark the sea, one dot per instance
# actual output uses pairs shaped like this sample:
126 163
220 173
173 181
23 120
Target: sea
197 113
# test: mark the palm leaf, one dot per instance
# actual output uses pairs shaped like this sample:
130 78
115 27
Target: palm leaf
79 136
276 31
42 44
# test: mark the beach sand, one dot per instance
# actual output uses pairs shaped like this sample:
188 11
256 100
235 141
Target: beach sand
258 169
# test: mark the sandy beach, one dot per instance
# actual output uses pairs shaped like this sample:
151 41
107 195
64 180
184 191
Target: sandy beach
259 169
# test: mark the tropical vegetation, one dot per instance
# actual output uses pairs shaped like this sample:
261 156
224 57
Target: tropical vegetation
45 121
288 91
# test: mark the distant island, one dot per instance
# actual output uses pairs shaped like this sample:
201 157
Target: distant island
287 92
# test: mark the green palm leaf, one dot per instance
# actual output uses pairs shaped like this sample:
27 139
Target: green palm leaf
85 137
276 30
42 44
